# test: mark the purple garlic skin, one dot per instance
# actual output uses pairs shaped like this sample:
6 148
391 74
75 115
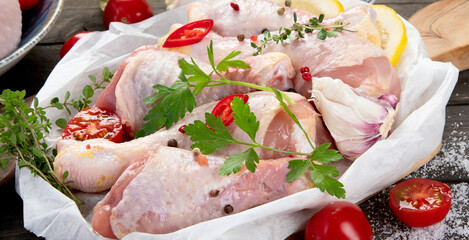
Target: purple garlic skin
355 120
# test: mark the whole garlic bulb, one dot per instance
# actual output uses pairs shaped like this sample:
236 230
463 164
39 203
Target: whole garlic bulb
356 121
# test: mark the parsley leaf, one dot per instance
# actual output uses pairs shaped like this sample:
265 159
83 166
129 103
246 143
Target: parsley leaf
325 155
208 140
244 118
234 163
322 178
171 104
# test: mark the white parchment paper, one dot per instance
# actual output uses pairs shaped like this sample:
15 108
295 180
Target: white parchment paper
427 87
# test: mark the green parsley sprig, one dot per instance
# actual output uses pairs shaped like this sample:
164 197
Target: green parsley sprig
22 133
301 29
171 103
214 135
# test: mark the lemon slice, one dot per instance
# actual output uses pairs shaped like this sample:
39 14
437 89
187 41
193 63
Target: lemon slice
329 8
392 32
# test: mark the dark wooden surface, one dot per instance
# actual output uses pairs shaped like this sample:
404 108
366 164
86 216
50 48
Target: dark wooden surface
451 165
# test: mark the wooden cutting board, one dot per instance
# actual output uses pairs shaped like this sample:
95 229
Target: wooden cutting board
444 27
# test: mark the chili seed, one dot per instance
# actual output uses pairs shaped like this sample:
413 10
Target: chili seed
214 193
288 3
172 143
196 151
241 37
228 209
234 6
280 11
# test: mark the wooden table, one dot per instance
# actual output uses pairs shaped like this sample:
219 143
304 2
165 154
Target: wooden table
451 165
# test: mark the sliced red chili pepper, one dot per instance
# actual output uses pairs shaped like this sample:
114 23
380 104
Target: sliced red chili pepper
181 129
254 38
223 108
189 34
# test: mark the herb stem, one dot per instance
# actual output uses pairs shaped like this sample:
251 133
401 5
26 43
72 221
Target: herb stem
255 144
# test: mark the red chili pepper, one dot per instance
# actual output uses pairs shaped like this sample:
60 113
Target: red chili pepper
306 76
189 34
88 147
234 6
254 38
304 69
181 129
223 108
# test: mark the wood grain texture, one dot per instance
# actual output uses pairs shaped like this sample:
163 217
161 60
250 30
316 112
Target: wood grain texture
443 26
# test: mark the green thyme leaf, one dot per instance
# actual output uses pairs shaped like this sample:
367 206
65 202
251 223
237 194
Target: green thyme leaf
61 123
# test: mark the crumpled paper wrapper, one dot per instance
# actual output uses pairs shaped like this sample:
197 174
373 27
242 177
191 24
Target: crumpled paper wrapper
427 86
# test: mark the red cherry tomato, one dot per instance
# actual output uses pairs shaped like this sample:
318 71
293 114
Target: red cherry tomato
189 34
70 42
339 220
223 108
126 11
92 123
27 4
420 202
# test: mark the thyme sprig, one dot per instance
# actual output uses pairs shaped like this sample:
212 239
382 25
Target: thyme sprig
22 133
81 102
300 29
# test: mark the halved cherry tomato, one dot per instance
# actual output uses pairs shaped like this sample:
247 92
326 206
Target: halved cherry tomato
94 122
189 34
339 220
420 202
223 108
126 11
27 4
70 42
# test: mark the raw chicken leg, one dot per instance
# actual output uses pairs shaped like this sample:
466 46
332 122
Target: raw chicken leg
148 66
256 16
94 165
168 190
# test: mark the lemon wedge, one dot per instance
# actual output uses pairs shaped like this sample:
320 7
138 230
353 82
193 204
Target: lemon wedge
329 8
392 32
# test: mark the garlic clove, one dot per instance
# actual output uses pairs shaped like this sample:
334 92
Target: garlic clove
356 121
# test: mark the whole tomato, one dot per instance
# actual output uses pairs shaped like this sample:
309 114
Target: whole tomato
420 202
70 42
339 220
27 4
126 11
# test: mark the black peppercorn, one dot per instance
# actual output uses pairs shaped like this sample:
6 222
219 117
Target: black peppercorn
228 209
241 37
172 143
